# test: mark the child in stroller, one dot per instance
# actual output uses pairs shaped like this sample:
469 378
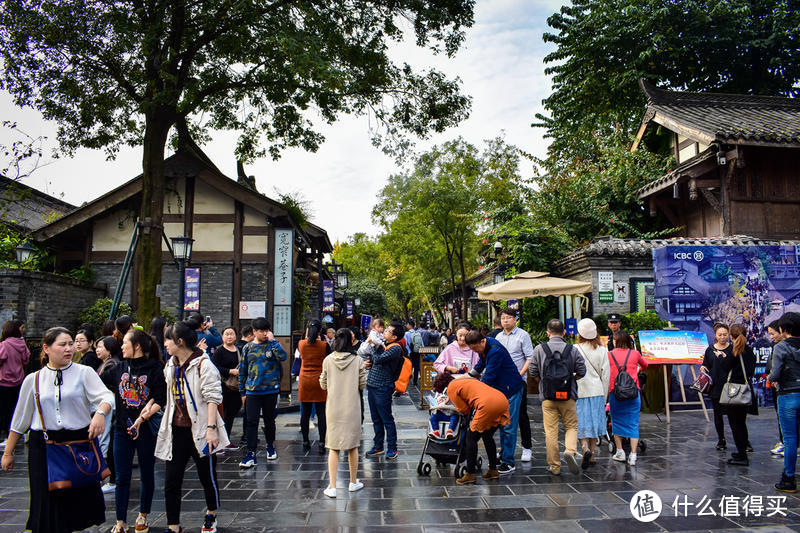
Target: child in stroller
442 411
446 437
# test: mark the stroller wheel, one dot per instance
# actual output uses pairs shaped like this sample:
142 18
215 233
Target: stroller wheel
599 441
459 471
612 448
426 469
480 463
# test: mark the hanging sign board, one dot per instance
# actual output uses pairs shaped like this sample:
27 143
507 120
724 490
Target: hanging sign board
284 269
191 290
327 296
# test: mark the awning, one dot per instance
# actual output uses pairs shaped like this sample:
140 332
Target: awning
532 284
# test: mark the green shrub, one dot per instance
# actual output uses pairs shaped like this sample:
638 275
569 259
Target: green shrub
97 313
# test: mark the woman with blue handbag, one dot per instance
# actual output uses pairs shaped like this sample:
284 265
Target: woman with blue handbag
56 405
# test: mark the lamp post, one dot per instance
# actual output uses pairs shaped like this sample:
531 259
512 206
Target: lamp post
24 252
182 252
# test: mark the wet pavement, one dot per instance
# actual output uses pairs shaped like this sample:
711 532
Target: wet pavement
286 495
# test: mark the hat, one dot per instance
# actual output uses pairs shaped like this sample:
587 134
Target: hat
614 317
587 329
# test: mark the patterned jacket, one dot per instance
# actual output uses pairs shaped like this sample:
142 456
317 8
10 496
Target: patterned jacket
260 368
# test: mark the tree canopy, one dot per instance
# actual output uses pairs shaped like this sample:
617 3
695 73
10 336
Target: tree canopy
124 72
604 46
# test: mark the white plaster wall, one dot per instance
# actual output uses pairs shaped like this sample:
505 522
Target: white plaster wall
255 244
212 237
254 218
210 201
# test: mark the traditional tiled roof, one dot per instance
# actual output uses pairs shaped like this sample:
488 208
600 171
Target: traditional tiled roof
725 118
612 246
674 176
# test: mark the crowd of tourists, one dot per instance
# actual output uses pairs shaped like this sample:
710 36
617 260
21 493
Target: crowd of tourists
174 392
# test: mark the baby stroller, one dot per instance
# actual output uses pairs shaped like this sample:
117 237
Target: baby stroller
447 450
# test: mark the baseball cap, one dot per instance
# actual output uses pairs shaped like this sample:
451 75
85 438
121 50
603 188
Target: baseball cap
614 317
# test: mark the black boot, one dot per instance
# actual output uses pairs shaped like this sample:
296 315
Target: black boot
722 445
786 484
737 459
306 445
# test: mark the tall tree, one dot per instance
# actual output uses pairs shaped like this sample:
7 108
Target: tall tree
446 194
126 72
604 46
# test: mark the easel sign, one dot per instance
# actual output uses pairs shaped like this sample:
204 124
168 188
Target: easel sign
675 348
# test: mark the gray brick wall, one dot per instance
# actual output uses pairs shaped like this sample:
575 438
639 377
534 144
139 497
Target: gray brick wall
44 300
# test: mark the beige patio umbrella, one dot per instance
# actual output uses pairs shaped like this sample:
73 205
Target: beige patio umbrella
532 284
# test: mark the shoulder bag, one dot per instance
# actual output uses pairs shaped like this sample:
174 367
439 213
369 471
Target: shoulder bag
736 393
71 464
232 382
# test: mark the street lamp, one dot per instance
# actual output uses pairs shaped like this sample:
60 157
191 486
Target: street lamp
357 301
498 248
182 252
341 279
24 252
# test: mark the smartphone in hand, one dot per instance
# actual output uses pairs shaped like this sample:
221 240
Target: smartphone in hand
132 431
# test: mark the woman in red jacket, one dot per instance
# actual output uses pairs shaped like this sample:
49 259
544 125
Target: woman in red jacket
625 414
313 350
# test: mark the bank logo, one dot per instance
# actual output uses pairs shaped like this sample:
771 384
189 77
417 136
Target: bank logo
698 256
645 506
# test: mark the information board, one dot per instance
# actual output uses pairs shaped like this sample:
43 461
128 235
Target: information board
673 346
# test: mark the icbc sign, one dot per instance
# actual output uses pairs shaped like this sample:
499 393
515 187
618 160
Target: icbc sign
697 256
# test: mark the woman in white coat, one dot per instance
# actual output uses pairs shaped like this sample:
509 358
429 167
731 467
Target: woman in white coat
192 426
344 377
592 389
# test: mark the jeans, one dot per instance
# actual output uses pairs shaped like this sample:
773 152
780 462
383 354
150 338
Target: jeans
789 413
552 411
524 420
183 448
471 449
508 433
124 447
265 405
108 434
380 409
438 417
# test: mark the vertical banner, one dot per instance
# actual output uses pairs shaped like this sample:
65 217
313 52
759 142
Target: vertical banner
191 290
284 269
327 296
366 320
349 309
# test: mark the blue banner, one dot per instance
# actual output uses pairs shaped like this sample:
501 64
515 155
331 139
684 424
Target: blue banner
366 320
349 307
191 289
327 296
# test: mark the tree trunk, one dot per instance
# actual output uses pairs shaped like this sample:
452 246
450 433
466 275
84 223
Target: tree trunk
464 293
157 127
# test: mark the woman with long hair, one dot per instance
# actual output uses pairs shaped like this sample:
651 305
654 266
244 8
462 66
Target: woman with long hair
139 392
192 427
227 358
721 350
344 378
732 369
157 328
121 327
313 350
14 355
592 389
68 395
625 413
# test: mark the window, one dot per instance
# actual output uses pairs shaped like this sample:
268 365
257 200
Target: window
684 290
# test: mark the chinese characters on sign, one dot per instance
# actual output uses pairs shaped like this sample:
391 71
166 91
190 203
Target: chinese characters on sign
366 320
349 309
191 290
282 325
284 269
327 296
730 506
673 346
605 287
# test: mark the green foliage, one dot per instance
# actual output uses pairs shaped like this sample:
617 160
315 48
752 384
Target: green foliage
97 313
373 299
535 314
10 239
299 208
604 46
83 273
636 322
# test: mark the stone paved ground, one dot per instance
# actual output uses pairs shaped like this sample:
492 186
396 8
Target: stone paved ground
286 495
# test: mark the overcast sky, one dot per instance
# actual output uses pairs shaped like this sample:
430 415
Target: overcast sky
501 67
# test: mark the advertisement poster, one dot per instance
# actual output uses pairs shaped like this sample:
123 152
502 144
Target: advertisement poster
327 296
349 309
250 310
697 286
673 346
191 289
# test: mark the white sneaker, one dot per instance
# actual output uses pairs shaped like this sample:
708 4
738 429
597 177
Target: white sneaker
108 487
311 425
619 456
777 449
330 492
632 459
356 486
526 455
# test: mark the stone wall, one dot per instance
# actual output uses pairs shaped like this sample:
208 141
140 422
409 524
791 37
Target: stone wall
44 300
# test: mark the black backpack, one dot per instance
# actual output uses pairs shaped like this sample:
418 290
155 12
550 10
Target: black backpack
557 376
624 386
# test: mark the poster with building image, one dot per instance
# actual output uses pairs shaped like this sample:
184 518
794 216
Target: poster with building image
697 286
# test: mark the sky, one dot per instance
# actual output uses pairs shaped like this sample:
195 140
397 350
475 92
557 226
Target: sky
500 64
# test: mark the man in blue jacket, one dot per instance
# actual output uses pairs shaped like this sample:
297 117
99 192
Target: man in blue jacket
500 372
380 387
